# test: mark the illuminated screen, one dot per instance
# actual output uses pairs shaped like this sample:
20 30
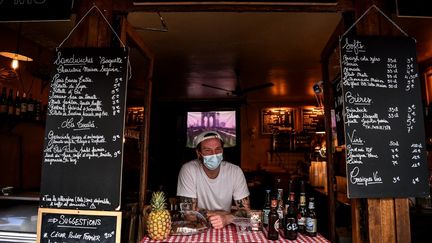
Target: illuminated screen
224 122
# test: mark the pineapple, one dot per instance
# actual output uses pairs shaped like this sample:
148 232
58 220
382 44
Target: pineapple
159 219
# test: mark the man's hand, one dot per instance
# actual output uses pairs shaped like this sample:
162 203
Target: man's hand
219 219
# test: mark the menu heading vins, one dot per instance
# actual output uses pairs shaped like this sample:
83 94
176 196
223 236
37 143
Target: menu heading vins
383 118
84 129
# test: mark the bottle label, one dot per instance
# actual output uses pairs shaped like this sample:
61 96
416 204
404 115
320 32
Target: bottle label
311 225
276 225
30 107
291 224
301 220
265 216
302 200
23 107
10 110
280 213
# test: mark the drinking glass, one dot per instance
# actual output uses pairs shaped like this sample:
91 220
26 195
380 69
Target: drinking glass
243 223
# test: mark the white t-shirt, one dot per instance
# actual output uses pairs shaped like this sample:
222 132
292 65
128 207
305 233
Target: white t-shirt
212 194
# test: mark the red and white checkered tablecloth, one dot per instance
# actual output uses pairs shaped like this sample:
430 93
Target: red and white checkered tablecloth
261 236
229 234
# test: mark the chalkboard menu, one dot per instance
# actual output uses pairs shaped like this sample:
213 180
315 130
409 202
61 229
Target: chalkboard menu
313 120
82 164
383 118
70 226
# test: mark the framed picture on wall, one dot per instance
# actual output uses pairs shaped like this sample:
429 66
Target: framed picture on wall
276 119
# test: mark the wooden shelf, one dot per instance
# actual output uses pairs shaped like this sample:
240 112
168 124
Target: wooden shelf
22 196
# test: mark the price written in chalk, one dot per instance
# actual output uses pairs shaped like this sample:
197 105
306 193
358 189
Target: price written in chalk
115 138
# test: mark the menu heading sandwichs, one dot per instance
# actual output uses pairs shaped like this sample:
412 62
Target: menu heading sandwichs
383 118
84 130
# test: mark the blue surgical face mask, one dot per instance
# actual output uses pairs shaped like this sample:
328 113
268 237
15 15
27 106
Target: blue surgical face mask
212 161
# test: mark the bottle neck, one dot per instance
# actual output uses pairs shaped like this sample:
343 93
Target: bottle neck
302 200
274 203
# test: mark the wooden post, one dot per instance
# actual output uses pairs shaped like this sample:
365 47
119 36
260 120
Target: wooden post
93 31
387 219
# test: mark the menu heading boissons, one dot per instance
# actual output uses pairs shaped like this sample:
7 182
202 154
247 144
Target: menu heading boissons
84 130
383 118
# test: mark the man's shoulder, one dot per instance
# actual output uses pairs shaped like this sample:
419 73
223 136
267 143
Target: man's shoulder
193 164
231 166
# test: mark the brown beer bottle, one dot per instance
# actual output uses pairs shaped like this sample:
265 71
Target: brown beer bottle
266 208
290 228
311 220
273 217
302 211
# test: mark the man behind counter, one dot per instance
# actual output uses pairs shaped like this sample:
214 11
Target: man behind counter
210 184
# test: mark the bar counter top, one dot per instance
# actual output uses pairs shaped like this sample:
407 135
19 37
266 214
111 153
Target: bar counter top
232 234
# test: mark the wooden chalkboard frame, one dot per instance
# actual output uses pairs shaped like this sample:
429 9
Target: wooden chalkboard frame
116 214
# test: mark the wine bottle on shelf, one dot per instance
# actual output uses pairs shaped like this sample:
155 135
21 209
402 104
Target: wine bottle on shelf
10 104
3 104
38 110
23 114
17 105
30 108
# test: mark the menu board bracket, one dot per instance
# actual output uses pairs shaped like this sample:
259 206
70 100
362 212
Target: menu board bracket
383 14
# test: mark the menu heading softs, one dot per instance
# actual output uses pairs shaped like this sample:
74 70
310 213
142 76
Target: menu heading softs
383 118
83 146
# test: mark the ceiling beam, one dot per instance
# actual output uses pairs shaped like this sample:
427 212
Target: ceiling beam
232 6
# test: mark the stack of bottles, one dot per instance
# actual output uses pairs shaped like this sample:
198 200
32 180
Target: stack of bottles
291 216
19 107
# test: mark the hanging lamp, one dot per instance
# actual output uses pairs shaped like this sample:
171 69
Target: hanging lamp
16 56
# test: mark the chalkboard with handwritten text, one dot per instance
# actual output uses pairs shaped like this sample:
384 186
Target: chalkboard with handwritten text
82 157
70 226
383 118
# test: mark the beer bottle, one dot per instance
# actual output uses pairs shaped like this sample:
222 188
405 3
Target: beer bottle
291 227
311 220
302 211
266 208
280 203
273 227
287 201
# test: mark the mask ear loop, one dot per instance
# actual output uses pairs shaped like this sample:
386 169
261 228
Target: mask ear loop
85 15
